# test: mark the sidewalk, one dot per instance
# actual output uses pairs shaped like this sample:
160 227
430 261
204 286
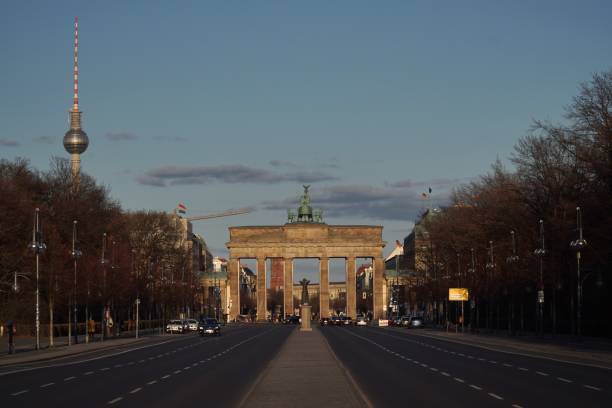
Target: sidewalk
26 353
572 352
305 373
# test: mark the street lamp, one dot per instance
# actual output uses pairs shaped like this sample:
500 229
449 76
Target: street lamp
103 262
512 260
38 247
75 254
540 253
490 266
579 245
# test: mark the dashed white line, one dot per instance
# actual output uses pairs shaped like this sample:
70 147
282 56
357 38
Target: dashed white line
141 361
135 390
564 380
89 373
507 365
496 396
517 406
459 380
481 359
152 382
130 363
47 385
475 387
19 393
444 373
592 387
105 369
118 365
165 376
176 371
523 369
433 369
111 402
542 374
69 378
492 361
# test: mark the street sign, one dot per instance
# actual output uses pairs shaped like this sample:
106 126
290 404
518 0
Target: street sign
458 294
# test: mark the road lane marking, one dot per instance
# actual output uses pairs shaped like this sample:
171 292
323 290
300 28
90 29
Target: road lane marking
517 406
89 373
523 369
118 365
564 380
111 402
492 361
475 387
135 390
592 387
130 363
444 373
176 372
105 369
481 359
433 369
19 393
507 365
542 374
459 380
69 378
47 385
496 396
141 361
165 376
152 382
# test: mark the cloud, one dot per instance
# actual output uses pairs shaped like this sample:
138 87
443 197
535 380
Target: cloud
120 136
9 143
366 201
437 182
183 175
282 163
170 139
45 139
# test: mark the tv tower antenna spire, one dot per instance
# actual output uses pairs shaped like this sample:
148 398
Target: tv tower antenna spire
75 140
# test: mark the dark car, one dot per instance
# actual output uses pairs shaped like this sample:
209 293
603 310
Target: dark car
325 321
209 327
293 319
347 320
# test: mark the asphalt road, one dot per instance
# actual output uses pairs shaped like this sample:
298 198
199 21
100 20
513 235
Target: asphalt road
399 367
185 371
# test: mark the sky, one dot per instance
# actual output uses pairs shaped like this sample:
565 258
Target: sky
231 104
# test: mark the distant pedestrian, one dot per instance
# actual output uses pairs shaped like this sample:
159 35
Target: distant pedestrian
91 327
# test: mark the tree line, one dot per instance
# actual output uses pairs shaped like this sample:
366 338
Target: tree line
125 255
510 235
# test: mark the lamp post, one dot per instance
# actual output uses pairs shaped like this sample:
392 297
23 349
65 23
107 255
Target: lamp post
38 247
75 254
578 245
512 260
103 262
490 266
540 253
472 272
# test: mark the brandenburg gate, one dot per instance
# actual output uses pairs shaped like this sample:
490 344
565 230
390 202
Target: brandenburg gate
306 236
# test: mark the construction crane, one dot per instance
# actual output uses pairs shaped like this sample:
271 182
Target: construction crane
227 213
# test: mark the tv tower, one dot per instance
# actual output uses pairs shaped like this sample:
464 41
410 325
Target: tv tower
75 139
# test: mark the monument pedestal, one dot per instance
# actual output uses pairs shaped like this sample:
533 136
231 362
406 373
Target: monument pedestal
306 315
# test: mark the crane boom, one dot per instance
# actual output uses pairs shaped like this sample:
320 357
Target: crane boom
220 214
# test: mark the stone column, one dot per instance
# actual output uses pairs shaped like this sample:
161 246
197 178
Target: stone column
324 287
351 288
379 271
261 290
288 287
233 272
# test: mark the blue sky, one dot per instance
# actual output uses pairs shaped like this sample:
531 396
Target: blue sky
227 104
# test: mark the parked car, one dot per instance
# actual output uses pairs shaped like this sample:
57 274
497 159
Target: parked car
405 321
416 322
336 320
347 320
209 327
192 324
293 319
175 326
325 321
361 321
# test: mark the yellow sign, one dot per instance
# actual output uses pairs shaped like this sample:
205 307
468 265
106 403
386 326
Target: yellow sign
458 294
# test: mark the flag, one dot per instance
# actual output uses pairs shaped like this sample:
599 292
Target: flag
181 208
429 190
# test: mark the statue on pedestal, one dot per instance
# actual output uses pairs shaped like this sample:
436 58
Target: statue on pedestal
304 282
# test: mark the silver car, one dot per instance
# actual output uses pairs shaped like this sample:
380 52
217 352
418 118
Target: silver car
175 326
192 324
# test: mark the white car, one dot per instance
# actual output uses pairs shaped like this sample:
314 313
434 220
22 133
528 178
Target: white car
193 324
361 321
175 326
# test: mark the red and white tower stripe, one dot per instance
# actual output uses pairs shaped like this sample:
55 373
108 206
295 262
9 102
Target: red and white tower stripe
75 106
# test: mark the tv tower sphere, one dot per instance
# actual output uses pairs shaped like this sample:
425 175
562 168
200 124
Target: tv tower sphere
76 141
